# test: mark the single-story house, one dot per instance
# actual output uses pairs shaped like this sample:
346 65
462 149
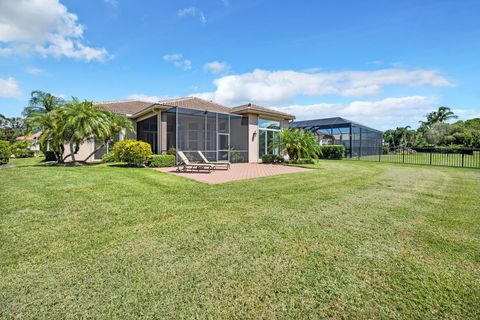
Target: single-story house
239 134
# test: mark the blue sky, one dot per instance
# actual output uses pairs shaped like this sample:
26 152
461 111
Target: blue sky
382 63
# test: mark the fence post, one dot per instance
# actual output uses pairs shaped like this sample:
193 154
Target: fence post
431 151
403 155
463 157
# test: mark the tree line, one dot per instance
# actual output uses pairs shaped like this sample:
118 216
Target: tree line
435 131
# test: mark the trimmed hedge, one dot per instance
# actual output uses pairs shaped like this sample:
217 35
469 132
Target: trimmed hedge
302 161
332 151
272 158
5 152
162 160
133 152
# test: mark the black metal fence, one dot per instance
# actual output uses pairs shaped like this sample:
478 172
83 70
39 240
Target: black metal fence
447 157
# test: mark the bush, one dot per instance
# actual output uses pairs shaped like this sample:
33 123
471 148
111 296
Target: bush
272 158
302 161
50 156
172 151
109 157
332 151
162 160
21 149
5 152
133 152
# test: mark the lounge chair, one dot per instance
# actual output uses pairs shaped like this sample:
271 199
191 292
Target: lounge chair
225 165
187 166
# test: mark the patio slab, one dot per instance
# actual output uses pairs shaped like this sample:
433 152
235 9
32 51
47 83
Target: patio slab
238 171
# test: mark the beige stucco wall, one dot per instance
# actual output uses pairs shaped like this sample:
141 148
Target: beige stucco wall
252 138
86 148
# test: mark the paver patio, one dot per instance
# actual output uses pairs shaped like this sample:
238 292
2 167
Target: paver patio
238 171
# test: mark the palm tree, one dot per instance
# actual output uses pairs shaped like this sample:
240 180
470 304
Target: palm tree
83 121
117 124
299 144
40 104
442 115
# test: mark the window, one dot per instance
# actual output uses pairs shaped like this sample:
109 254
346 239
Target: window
268 124
269 137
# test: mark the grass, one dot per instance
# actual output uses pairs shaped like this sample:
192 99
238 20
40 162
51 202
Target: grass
349 240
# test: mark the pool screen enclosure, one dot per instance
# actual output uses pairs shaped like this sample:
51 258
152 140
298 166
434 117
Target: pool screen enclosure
359 140
220 136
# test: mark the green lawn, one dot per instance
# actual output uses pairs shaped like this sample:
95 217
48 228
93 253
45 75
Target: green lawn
349 240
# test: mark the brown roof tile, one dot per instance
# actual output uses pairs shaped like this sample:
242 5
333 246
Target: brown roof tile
195 103
125 106
256 109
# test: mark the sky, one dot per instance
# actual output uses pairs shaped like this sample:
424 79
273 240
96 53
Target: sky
381 63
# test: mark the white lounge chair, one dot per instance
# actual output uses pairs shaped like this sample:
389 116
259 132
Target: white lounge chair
187 166
225 164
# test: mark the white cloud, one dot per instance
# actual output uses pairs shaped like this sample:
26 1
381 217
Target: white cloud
113 3
144 97
192 12
178 61
382 114
46 27
9 88
281 87
216 67
34 71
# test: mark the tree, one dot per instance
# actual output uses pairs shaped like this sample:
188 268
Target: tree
442 115
11 128
117 124
74 122
82 121
40 104
299 144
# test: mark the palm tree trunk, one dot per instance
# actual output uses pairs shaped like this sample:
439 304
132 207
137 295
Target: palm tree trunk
72 152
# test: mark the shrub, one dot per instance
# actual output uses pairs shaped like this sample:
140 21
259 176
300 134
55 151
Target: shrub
172 151
135 153
21 149
332 151
162 160
272 158
50 156
302 161
5 152
109 157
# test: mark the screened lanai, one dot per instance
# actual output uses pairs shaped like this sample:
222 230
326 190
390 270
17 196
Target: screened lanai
359 140
220 136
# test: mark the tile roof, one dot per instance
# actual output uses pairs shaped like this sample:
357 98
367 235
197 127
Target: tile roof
125 106
195 103
30 137
254 108
133 107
